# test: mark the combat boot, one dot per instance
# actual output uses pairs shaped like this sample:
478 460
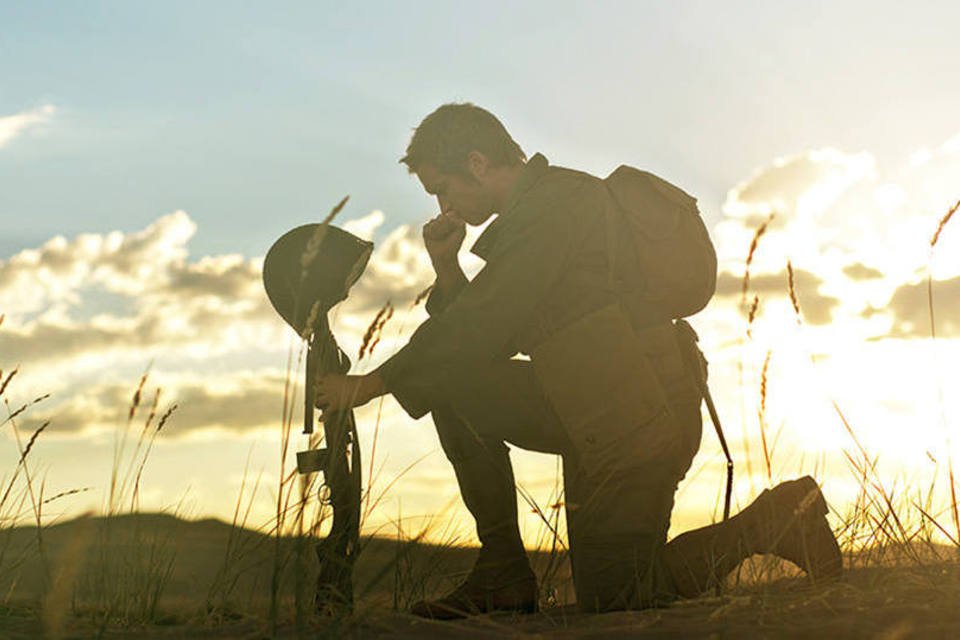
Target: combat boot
496 583
787 521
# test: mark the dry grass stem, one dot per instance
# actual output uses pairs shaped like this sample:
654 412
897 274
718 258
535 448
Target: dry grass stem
423 295
762 229
12 416
955 512
310 253
337 208
64 494
33 440
752 315
372 336
792 290
166 416
135 403
6 381
762 415
943 223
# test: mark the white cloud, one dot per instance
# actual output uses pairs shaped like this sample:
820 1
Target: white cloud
366 226
89 313
855 233
17 124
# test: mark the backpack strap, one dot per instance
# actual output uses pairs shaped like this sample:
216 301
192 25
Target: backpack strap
689 338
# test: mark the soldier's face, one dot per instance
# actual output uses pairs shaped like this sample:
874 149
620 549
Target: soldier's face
459 196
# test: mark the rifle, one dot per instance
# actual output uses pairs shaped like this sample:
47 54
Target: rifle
306 272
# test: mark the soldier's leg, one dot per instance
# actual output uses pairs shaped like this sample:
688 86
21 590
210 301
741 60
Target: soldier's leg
618 516
476 413
787 521
485 477
483 410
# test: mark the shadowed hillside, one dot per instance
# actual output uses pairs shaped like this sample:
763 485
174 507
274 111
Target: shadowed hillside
202 596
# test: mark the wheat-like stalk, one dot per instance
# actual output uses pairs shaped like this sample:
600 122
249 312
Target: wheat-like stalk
313 245
64 494
752 315
792 290
423 295
762 229
933 335
762 414
135 403
306 259
943 223
33 440
11 416
379 335
375 330
6 381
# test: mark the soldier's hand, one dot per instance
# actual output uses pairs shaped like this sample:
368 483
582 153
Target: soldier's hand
443 236
336 392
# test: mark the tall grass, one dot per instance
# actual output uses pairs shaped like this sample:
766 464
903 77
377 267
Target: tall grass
20 499
888 521
133 562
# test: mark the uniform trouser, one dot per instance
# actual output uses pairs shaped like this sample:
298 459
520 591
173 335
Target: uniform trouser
616 521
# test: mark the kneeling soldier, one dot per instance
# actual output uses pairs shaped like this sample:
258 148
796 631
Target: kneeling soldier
610 385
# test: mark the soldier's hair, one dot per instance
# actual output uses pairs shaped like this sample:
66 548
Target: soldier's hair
449 134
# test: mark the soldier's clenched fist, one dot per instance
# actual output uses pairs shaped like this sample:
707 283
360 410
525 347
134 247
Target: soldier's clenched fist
443 236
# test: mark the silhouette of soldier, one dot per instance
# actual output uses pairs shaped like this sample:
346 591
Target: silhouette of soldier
610 388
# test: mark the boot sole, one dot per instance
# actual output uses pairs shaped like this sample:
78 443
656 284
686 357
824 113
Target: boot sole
440 611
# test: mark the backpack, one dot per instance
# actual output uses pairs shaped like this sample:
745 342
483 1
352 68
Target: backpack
674 265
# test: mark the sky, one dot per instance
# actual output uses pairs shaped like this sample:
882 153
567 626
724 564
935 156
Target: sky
151 153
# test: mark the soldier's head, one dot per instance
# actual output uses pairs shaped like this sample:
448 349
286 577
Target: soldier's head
464 156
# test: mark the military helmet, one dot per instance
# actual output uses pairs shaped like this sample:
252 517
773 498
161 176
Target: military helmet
313 265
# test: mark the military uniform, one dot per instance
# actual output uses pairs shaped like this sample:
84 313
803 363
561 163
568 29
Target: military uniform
607 389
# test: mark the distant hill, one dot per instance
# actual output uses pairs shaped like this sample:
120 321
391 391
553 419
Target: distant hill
197 551
162 577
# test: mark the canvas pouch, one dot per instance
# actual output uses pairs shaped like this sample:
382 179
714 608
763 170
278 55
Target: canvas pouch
599 375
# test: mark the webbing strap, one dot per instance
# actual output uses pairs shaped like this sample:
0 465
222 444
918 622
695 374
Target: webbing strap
705 390
700 376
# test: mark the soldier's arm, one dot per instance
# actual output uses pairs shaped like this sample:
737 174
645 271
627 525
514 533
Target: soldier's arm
477 327
449 283
443 237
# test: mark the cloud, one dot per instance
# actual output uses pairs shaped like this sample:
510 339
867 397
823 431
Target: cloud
909 309
804 184
238 402
128 264
398 270
134 293
816 307
365 226
17 124
85 315
854 231
857 271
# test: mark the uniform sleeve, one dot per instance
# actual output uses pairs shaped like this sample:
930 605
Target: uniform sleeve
478 326
438 301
